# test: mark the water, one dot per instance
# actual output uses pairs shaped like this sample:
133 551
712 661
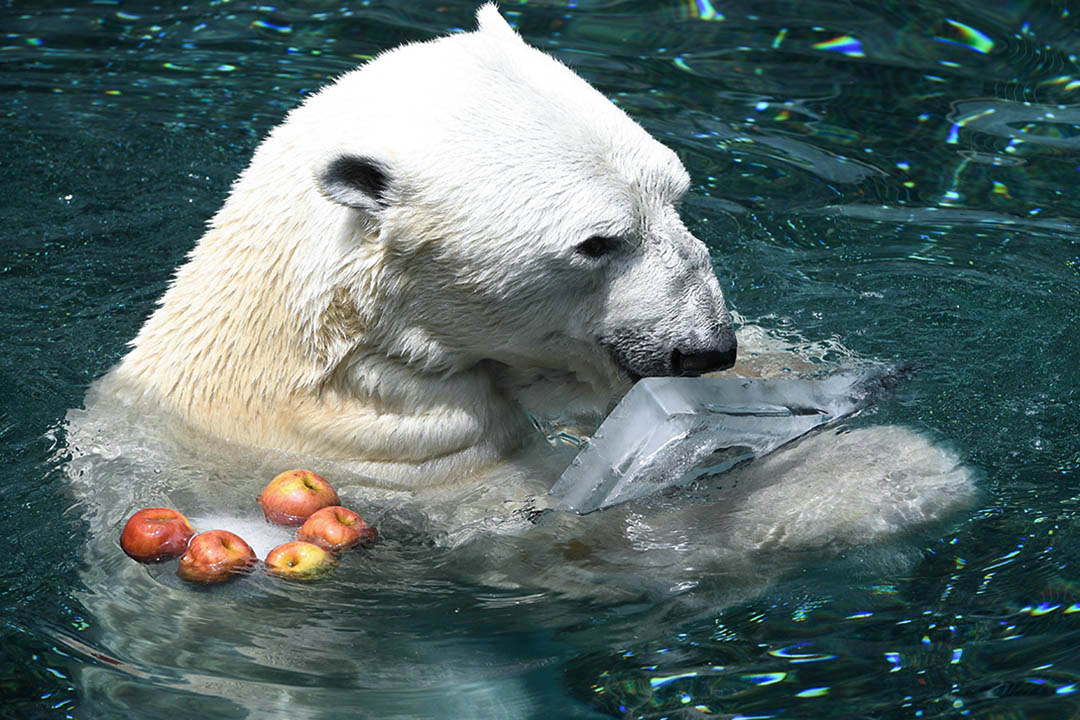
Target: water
855 189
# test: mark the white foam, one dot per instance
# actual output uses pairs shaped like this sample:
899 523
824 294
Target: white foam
256 532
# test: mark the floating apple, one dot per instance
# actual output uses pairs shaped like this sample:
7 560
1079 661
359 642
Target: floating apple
336 529
155 534
215 556
294 495
300 561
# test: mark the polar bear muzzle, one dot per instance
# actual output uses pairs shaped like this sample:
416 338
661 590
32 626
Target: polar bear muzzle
641 356
702 362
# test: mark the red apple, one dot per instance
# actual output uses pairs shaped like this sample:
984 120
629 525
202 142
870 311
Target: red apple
336 529
300 561
292 496
215 556
155 534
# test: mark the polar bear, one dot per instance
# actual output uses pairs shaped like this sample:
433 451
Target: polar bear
452 241
426 259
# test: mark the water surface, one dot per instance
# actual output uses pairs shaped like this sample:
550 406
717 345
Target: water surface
900 177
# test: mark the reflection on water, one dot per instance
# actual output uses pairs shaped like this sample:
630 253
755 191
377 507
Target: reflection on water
898 176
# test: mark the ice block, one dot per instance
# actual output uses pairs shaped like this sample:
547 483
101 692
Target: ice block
668 432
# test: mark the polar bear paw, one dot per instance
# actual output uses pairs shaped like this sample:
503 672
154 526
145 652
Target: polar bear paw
848 487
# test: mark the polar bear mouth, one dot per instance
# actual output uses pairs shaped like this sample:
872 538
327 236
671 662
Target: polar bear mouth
699 363
633 358
636 359
633 376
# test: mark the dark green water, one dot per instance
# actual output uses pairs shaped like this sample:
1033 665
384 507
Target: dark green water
901 177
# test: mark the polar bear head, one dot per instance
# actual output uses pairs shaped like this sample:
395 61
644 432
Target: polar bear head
524 218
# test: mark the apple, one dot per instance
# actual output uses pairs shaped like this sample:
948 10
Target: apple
336 529
298 560
215 556
292 496
156 534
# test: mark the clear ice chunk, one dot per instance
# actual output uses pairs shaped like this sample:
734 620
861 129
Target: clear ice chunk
667 432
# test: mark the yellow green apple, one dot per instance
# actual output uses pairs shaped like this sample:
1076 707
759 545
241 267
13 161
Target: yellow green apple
299 560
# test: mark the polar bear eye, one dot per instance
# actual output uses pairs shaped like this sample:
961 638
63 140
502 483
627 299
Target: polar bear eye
597 246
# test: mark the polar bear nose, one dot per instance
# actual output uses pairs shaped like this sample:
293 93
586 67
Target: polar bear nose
693 364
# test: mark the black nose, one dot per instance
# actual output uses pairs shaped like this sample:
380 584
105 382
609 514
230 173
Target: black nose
695 364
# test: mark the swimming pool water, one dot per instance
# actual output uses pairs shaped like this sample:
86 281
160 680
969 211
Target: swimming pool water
900 177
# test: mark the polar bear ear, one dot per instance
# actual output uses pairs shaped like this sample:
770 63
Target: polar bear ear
355 181
488 20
